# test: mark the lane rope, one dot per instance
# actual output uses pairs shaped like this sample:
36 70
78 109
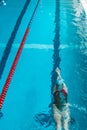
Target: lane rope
9 44
9 78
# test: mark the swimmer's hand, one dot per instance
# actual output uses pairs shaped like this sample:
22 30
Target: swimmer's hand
58 73
57 70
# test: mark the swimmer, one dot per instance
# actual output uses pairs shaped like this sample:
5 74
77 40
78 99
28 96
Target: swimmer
60 106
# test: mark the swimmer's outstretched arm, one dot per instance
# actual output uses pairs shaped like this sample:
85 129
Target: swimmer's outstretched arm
60 78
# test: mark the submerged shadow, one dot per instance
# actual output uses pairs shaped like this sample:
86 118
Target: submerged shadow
43 119
56 57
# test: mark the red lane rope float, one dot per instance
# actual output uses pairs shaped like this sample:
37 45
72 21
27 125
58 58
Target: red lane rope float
5 88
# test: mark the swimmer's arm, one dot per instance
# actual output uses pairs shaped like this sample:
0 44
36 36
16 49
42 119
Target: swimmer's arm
55 89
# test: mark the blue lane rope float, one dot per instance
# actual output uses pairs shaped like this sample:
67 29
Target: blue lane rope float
12 37
5 88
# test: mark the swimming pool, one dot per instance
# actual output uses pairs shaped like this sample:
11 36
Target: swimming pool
57 37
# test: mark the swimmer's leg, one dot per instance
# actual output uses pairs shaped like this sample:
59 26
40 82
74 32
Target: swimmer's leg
57 117
66 119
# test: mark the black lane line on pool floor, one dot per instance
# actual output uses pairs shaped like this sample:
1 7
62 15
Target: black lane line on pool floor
56 57
11 39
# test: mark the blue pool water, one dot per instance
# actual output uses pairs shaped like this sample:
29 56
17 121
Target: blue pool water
57 37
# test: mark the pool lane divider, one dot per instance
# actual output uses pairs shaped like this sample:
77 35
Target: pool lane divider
12 37
5 88
9 78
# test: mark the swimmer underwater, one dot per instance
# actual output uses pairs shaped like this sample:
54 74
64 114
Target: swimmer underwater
60 105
